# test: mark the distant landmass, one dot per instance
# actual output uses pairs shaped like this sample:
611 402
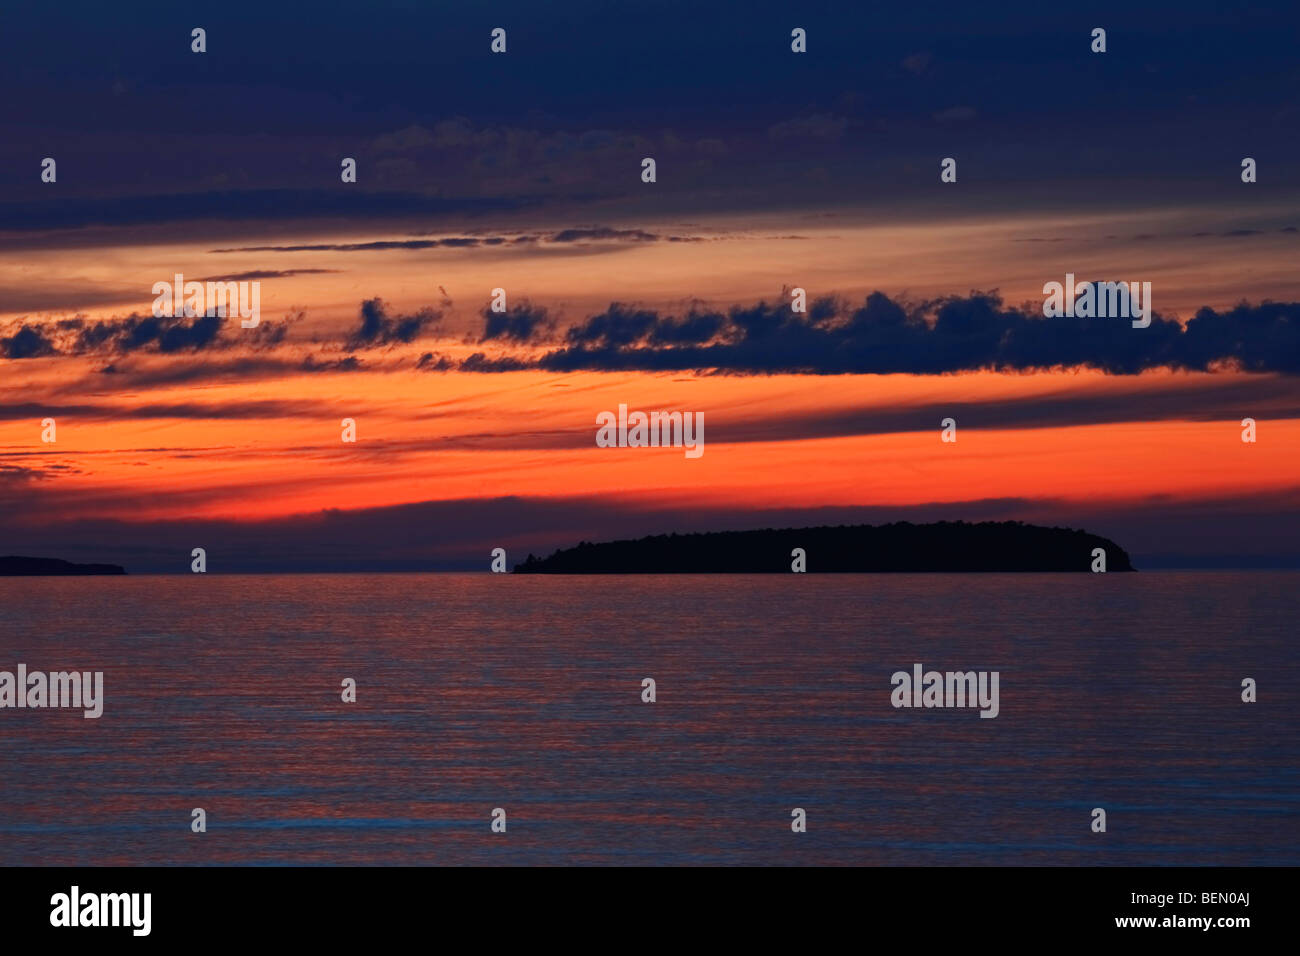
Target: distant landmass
944 546
14 565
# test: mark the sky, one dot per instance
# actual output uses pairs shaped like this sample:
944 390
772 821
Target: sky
522 171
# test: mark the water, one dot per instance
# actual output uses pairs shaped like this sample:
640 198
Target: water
483 691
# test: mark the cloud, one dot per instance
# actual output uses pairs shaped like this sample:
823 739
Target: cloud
433 362
882 336
249 204
379 245
379 328
576 235
13 474
614 328
166 334
520 323
479 362
1203 398
169 335
156 333
561 237
952 334
349 364
256 409
267 274
694 329
242 368
78 336
27 342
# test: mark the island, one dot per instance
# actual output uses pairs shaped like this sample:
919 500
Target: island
942 547
15 565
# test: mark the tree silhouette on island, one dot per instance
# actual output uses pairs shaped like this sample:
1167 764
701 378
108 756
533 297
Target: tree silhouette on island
944 546
16 565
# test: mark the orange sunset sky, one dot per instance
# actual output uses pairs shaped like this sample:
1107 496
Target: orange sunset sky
523 172
240 433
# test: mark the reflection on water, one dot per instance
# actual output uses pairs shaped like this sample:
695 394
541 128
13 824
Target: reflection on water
483 691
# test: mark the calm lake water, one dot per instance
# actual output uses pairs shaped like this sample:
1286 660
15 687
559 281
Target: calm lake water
524 692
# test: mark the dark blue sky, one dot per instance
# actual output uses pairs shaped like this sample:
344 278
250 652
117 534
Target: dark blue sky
1184 91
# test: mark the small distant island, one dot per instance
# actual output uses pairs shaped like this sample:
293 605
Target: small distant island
14 565
944 546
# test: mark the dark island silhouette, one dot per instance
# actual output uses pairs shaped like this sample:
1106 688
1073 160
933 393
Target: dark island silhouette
15 565
944 546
